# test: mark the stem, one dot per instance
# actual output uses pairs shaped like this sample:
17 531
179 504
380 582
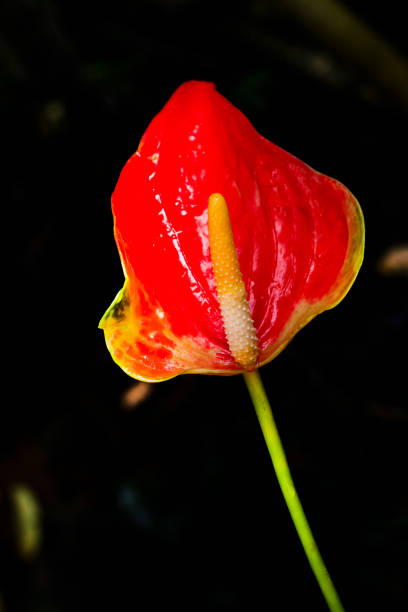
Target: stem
274 444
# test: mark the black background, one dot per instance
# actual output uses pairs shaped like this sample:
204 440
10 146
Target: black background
175 503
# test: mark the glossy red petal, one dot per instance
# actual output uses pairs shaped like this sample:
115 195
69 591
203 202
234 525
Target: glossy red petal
298 234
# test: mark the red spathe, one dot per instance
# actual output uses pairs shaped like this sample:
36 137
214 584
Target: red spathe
298 234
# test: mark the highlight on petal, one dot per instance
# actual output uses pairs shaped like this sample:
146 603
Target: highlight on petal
295 240
318 294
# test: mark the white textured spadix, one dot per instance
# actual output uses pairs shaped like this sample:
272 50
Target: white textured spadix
238 323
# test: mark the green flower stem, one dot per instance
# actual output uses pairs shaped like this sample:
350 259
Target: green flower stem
274 444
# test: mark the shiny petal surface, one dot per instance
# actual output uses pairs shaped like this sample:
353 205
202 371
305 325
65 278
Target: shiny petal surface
299 237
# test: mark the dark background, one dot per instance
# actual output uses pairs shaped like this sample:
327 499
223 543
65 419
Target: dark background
174 503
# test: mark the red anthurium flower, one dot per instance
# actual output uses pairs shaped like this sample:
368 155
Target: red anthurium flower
229 244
